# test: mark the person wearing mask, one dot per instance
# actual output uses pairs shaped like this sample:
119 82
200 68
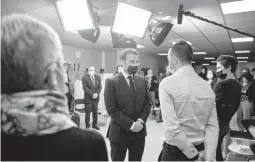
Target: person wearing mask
189 114
246 104
118 69
35 122
211 77
203 73
228 96
153 86
253 73
127 102
92 88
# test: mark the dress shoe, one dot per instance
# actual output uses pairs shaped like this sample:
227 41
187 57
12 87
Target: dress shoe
159 121
96 127
87 127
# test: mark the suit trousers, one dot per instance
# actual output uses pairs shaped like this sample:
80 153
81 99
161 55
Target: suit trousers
173 153
93 107
133 144
224 129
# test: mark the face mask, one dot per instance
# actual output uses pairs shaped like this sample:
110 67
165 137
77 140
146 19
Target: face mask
92 73
221 75
210 76
132 69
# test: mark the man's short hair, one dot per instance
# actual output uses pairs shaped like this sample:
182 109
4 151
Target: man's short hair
227 60
25 46
183 51
126 52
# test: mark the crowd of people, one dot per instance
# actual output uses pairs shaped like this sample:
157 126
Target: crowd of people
197 110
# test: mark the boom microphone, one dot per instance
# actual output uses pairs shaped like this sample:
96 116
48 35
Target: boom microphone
180 15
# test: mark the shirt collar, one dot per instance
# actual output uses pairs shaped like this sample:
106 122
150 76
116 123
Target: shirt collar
125 74
186 70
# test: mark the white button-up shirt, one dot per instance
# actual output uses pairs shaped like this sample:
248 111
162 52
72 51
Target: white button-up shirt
189 112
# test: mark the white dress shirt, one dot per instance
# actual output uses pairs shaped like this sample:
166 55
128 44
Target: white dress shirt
189 112
126 78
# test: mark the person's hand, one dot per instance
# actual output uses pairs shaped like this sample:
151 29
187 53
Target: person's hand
138 126
95 95
201 156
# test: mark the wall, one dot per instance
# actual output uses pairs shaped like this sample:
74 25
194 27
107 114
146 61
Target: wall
88 57
110 61
210 67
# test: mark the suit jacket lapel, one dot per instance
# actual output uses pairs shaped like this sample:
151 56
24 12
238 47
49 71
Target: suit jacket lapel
123 82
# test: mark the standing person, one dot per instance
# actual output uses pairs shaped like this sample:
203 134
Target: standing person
118 69
189 114
92 88
128 104
246 104
228 96
153 86
203 73
68 81
253 73
161 77
211 77
35 122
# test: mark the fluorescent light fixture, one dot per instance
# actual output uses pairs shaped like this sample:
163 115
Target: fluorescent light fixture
131 20
242 61
238 6
140 46
242 57
245 51
163 54
209 58
205 64
193 62
75 14
199 53
247 39
185 41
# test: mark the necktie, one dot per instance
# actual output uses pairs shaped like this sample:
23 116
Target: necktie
93 80
132 85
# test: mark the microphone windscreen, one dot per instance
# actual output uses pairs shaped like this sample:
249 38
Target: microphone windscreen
179 18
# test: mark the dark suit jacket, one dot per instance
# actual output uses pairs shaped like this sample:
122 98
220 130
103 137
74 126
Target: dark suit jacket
118 100
90 89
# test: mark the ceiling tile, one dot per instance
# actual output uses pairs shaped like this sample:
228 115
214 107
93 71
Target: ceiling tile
237 17
242 46
247 30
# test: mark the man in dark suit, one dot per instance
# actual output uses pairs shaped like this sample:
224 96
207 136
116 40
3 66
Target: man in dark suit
128 104
92 87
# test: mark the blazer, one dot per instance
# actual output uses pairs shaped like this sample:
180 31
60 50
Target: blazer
73 144
121 108
90 89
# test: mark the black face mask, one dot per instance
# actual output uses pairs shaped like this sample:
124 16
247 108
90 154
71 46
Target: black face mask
221 76
132 69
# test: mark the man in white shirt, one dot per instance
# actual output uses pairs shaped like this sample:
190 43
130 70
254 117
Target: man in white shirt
128 104
188 110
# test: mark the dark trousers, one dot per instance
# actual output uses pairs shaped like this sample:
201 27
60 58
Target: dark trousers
134 145
69 98
173 153
91 108
224 128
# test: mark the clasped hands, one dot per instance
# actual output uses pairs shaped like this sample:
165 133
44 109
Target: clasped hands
138 126
95 95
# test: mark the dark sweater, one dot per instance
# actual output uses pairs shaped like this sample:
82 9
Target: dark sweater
228 97
70 145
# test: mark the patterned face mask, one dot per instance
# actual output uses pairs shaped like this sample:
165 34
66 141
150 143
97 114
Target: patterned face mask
34 113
